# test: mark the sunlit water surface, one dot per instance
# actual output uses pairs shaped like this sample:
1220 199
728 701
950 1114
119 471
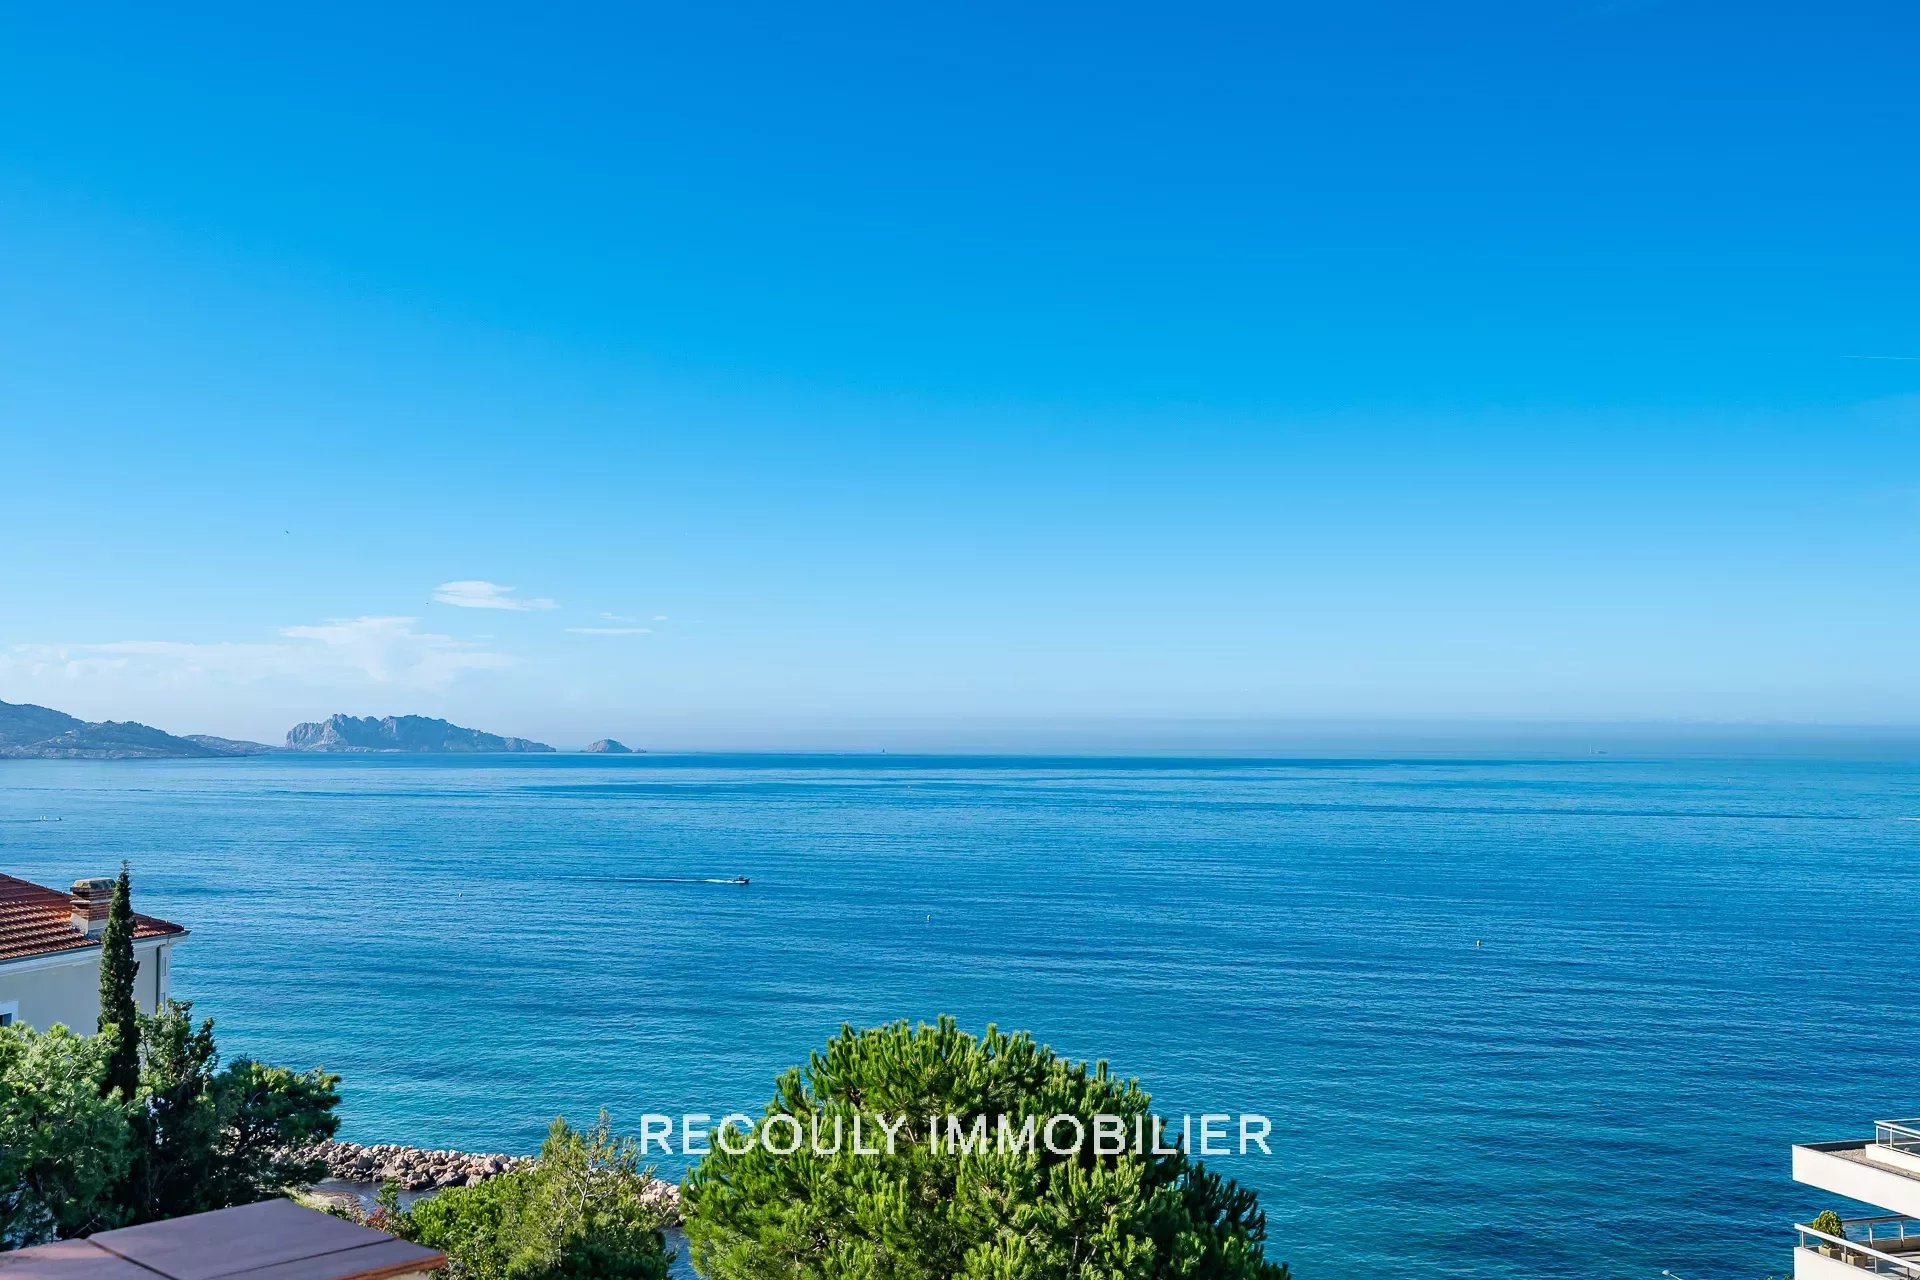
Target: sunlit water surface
1509 1017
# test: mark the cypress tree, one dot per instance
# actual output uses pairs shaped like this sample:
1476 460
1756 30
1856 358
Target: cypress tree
118 1018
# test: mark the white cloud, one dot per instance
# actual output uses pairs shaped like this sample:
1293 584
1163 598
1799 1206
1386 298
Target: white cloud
611 631
618 617
340 653
476 593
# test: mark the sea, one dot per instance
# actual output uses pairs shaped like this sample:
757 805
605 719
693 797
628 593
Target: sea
1508 1016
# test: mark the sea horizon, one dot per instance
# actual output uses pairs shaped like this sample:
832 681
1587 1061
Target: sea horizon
1176 737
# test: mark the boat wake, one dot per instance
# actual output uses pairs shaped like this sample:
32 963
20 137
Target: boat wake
674 879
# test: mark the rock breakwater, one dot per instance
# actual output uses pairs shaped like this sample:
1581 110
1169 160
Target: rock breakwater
414 1168
419 1170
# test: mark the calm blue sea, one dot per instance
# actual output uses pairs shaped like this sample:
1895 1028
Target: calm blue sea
1511 1017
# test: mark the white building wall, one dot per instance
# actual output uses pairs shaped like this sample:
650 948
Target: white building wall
1808 1265
1816 1166
65 987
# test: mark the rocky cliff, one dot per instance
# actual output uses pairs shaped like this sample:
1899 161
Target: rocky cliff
399 733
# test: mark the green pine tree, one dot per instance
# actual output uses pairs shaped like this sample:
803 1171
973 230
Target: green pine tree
119 1020
926 1211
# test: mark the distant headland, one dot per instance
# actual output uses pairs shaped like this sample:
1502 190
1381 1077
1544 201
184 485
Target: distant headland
29 732
400 733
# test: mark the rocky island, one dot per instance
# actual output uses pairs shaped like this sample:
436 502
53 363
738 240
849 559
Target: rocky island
607 747
29 732
400 733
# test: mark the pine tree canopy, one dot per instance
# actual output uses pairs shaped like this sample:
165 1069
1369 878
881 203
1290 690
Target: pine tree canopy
928 1212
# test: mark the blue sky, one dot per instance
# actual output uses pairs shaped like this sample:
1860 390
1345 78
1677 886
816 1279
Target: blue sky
851 375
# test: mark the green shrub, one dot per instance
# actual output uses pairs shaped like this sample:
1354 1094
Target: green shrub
64 1149
1831 1223
986 1214
205 1137
474 1226
193 1137
586 1210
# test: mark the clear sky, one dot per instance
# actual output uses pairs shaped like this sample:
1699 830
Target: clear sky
788 368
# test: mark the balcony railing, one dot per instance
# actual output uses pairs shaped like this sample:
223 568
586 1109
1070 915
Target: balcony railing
1895 1229
1879 1246
1900 1135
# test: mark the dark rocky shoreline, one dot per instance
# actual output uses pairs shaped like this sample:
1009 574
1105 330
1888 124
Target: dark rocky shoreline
414 1168
421 1171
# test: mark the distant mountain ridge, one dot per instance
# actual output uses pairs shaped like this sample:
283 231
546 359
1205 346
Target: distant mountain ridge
399 733
29 732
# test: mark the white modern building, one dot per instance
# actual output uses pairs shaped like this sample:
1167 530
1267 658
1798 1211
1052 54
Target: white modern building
50 954
1882 1171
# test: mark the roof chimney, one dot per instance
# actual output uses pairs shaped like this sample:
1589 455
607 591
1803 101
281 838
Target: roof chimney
92 900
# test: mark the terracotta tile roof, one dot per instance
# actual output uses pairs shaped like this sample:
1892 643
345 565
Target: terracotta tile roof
34 922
